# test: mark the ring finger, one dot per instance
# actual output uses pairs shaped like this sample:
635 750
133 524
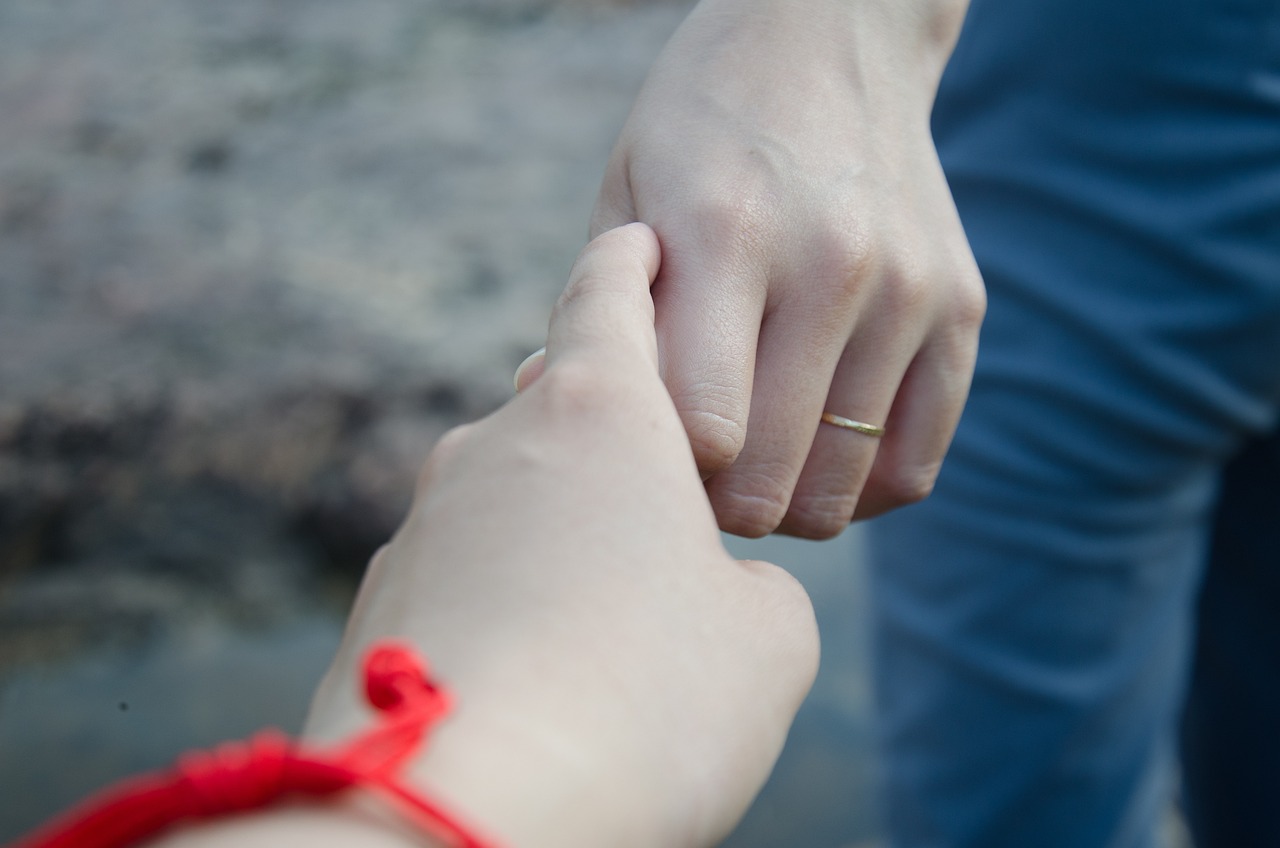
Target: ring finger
845 447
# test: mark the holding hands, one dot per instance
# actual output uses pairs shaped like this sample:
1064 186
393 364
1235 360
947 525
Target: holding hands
621 680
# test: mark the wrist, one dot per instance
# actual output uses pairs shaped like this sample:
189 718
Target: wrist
899 46
520 757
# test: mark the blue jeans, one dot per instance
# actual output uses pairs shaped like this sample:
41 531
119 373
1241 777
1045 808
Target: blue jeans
1117 170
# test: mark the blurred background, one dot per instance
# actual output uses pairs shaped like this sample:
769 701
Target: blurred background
255 257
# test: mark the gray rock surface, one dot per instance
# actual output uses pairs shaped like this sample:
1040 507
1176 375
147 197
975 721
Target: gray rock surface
255 256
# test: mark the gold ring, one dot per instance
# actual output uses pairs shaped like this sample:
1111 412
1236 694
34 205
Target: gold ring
850 424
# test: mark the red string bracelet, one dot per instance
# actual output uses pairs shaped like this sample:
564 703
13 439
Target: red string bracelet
238 777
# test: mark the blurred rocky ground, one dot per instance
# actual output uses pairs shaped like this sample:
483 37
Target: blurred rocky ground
255 256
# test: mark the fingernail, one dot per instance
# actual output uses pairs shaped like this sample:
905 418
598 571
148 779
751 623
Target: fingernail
528 362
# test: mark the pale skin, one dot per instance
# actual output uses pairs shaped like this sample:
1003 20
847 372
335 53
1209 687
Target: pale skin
813 258
621 680
562 556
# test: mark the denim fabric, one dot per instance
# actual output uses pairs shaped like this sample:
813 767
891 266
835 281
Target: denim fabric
1117 170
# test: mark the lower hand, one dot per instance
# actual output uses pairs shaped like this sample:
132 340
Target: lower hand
621 680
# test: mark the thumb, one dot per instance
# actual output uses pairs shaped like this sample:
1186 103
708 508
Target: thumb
606 312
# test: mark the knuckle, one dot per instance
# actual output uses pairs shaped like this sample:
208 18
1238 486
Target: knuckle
716 438
788 590
451 443
446 448
909 293
820 517
426 473
796 644
739 218
845 258
802 642
971 301
751 518
379 556
944 282
907 486
751 507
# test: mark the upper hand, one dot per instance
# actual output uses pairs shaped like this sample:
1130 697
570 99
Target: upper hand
813 258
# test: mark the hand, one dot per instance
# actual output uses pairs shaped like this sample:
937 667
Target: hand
620 679
813 258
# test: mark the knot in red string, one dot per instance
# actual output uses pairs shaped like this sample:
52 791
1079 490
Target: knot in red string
398 683
240 776
395 676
